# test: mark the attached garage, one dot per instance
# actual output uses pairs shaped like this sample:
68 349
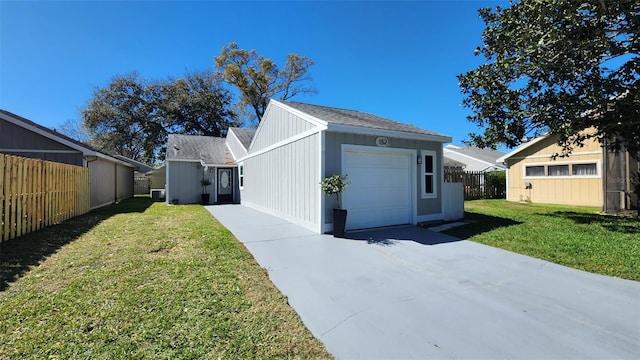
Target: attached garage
395 169
381 191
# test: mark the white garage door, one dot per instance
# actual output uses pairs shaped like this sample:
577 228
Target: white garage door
380 190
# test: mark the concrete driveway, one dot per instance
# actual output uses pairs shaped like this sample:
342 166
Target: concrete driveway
407 292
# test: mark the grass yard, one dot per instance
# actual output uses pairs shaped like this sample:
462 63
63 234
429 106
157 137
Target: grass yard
143 280
572 236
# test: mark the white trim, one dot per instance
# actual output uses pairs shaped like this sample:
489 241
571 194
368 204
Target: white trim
570 176
412 153
549 156
423 173
237 140
241 176
358 129
38 151
509 155
446 150
321 174
282 143
201 162
389 133
303 115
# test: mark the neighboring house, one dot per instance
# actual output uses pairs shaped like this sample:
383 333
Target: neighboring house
140 168
588 177
111 179
189 160
395 169
158 177
474 159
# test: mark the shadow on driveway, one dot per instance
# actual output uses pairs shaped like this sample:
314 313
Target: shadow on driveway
390 236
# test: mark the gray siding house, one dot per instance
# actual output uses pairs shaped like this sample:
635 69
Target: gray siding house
395 169
189 160
111 179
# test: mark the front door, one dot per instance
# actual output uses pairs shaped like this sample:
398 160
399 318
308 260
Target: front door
225 186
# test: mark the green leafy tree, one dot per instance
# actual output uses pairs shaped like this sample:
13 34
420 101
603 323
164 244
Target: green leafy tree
558 67
259 79
197 104
132 117
120 119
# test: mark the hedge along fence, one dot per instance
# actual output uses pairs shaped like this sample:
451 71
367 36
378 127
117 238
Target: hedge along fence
36 193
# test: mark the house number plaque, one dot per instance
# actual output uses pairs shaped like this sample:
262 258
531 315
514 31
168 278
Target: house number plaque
382 141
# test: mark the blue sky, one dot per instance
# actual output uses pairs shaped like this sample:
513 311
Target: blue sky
394 59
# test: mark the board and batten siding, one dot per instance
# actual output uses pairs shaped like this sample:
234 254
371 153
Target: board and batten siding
281 125
109 182
285 181
566 190
183 182
333 165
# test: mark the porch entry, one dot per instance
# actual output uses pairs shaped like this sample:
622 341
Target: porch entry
225 185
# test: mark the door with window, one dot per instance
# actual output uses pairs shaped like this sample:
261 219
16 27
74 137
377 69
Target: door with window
225 185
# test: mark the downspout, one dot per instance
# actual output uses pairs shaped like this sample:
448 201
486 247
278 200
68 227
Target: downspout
115 187
605 166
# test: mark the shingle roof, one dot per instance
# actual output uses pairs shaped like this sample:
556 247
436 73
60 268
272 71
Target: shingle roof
209 150
244 135
452 163
487 155
357 118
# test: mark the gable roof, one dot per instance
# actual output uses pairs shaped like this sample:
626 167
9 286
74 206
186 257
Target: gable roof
139 166
521 147
344 120
488 156
244 135
208 150
85 149
447 162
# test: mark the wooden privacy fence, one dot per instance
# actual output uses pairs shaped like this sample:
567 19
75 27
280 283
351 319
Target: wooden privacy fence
141 185
36 193
476 184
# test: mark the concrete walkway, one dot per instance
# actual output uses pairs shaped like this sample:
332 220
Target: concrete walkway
407 292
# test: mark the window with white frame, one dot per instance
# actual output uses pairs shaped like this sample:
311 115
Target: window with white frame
241 175
429 174
558 170
534 170
589 169
584 169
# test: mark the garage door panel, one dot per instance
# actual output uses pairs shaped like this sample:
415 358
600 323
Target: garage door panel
380 190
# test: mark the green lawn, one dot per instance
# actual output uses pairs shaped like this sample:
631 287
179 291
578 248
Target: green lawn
573 236
143 280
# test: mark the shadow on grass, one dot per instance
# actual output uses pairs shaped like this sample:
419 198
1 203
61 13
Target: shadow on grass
20 254
478 224
620 224
390 236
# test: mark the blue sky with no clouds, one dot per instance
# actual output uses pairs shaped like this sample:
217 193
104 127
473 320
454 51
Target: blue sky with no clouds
394 59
